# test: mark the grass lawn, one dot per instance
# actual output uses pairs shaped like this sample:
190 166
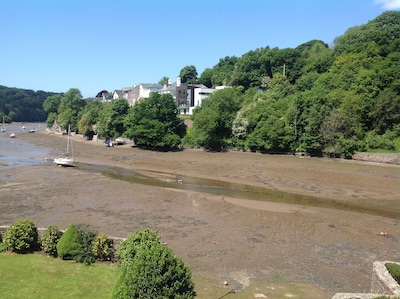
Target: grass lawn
41 277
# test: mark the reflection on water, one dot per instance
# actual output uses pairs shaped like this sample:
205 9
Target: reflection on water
235 190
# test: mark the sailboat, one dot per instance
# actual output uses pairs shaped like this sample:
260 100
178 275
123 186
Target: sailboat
2 128
65 159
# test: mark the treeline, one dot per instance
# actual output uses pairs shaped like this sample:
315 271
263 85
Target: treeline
313 99
26 105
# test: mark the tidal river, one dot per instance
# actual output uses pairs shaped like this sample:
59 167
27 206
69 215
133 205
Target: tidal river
15 152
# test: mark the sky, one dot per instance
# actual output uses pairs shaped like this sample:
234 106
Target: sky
94 45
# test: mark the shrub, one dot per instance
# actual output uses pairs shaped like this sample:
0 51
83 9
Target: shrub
49 240
68 245
394 270
22 237
85 241
155 273
103 248
129 247
3 247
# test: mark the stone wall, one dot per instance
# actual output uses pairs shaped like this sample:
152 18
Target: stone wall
378 158
382 281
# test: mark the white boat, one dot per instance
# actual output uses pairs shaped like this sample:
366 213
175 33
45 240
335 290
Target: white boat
66 159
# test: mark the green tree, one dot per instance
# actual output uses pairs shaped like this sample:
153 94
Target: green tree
69 109
112 117
163 81
206 77
88 119
188 74
52 103
212 123
154 122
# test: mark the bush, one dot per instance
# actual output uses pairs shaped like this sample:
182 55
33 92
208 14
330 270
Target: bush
3 247
103 248
129 247
394 270
49 240
85 241
68 245
155 273
151 270
22 237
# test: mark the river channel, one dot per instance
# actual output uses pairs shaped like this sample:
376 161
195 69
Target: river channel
228 189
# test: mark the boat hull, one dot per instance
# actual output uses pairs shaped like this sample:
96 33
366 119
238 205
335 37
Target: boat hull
64 162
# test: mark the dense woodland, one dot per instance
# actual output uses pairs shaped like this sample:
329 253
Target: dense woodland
18 104
314 98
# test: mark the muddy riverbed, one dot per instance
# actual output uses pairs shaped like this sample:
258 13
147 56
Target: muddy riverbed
240 217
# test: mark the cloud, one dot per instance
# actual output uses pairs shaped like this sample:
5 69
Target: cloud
389 4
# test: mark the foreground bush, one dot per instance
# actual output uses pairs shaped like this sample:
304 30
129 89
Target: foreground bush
103 248
68 245
49 240
394 270
85 241
21 237
128 248
3 246
153 272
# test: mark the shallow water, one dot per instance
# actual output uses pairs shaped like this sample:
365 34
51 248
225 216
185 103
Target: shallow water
16 152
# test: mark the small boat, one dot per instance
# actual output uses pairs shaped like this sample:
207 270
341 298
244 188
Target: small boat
65 159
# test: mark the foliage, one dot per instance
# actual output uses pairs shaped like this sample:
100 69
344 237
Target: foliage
22 237
103 247
49 240
156 273
163 81
128 248
88 119
394 270
212 122
188 74
26 105
151 270
68 245
3 246
69 109
112 115
85 253
153 122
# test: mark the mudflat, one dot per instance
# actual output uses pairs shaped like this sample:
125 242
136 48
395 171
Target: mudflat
239 217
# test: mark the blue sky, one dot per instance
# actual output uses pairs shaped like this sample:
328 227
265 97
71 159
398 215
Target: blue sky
55 45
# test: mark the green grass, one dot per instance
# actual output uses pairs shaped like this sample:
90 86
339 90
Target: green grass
38 276
41 277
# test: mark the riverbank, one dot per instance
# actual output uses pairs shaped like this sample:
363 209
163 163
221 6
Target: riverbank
221 238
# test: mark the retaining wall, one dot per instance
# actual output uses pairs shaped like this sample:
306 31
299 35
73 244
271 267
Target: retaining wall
378 158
